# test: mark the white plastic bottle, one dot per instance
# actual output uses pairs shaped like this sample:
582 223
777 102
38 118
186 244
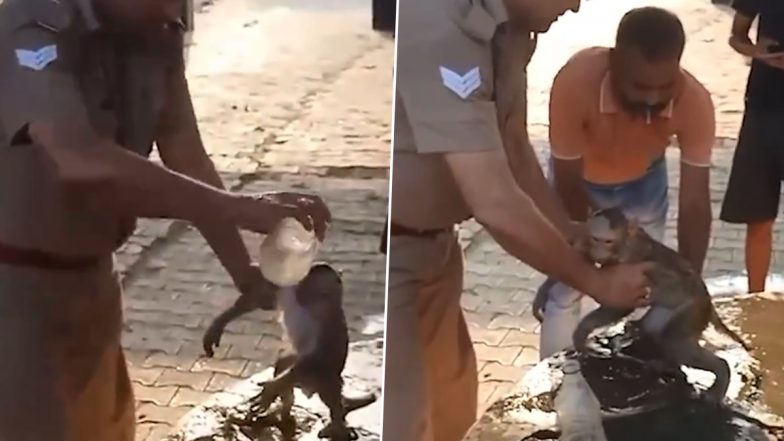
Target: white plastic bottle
287 253
578 409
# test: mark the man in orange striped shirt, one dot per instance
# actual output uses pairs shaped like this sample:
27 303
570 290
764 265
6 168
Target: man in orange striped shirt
613 112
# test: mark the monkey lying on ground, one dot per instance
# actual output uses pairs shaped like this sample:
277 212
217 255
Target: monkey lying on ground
316 324
681 306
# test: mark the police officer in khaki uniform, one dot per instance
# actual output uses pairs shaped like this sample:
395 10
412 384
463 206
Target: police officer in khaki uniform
461 150
87 87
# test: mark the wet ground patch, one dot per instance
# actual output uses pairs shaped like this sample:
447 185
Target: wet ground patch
652 407
638 404
761 319
225 416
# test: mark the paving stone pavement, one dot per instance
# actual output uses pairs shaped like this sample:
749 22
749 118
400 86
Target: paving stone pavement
499 289
279 109
272 107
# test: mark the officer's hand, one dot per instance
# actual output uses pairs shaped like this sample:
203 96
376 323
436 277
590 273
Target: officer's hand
261 213
625 286
256 292
309 210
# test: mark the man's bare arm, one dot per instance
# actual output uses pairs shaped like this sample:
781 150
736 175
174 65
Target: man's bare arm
113 178
184 152
694 214
514 220
740 40
529 175
570 187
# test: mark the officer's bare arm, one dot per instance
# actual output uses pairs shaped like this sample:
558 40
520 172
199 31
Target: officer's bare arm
184 153
114 178
570 187
181 149
514 220
529 176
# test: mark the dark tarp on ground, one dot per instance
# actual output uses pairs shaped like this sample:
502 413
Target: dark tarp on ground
623 383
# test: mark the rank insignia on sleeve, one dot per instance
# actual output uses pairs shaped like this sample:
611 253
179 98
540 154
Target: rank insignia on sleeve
461 85
36 59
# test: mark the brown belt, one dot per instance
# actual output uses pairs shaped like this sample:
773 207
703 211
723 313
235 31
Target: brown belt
14 256
399 230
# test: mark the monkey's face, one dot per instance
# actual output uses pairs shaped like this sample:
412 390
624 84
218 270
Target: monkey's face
604 243
604 250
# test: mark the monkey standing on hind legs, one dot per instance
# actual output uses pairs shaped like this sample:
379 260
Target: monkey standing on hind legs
680 304
315 322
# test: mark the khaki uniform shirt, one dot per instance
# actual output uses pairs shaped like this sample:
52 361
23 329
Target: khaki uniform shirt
58 62
460 82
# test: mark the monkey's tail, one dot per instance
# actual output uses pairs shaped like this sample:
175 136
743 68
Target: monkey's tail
719 324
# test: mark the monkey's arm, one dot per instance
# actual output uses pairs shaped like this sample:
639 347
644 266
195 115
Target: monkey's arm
212 337
540 300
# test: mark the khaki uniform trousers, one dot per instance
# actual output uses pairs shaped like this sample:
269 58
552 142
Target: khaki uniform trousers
77 318
431 380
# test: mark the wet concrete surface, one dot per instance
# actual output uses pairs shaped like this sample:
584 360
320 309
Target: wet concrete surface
226 415
762 321
638 403
689 420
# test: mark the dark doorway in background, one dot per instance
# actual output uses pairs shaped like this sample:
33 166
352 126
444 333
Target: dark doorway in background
384 14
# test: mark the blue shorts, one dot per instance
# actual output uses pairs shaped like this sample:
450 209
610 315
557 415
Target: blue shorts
645 198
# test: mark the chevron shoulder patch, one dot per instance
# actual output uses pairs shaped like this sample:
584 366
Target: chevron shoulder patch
36 59
462 85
